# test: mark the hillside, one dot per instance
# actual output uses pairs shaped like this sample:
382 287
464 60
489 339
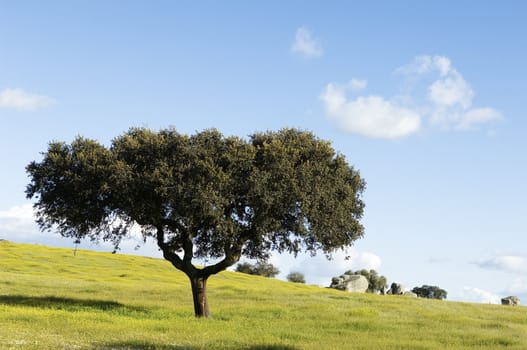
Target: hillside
51 299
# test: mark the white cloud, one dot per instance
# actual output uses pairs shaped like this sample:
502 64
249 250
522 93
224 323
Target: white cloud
476 295
449 88
450 91
508 263
442 64
365 260
427 64
445 101
319 270
371 116
451 95
357 84
305 44
22 100
18 222
478 116
18 212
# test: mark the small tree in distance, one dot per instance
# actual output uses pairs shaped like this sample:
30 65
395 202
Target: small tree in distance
201 196
430 292
261 268
245 267
296 277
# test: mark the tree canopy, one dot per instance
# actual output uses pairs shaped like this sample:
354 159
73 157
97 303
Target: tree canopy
201 195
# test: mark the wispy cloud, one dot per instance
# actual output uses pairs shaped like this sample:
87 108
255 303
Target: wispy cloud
508 263
19 212
357 84
476 295
18 221
478 116
17 224
305 44
445 102
449 94
21 100
426 64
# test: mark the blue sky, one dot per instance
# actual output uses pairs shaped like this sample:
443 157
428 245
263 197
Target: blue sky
424 98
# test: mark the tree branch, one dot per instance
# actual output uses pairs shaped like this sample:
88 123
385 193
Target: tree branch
232 256
171 256
188 249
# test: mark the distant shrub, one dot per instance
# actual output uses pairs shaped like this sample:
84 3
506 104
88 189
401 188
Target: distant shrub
245 268
296 277
261 268
430 292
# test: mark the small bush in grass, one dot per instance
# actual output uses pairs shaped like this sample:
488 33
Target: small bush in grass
261 268
296 277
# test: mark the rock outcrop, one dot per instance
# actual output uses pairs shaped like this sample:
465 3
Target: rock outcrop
510 300
350 283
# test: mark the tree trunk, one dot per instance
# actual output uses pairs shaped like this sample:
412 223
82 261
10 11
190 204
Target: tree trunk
199 294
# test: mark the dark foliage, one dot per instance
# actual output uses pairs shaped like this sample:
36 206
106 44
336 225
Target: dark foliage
296 277
261 268
430 292
201 196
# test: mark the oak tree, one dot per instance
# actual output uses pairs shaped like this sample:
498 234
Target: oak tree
201 196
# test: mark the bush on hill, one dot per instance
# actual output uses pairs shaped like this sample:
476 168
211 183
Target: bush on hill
296 277
261 268
430 292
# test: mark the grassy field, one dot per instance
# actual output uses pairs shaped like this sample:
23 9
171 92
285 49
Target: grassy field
51 299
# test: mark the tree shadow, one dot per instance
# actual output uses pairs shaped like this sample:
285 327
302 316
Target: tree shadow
272 347
52 302
139 345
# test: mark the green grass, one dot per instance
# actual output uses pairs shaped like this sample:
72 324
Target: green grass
51 299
